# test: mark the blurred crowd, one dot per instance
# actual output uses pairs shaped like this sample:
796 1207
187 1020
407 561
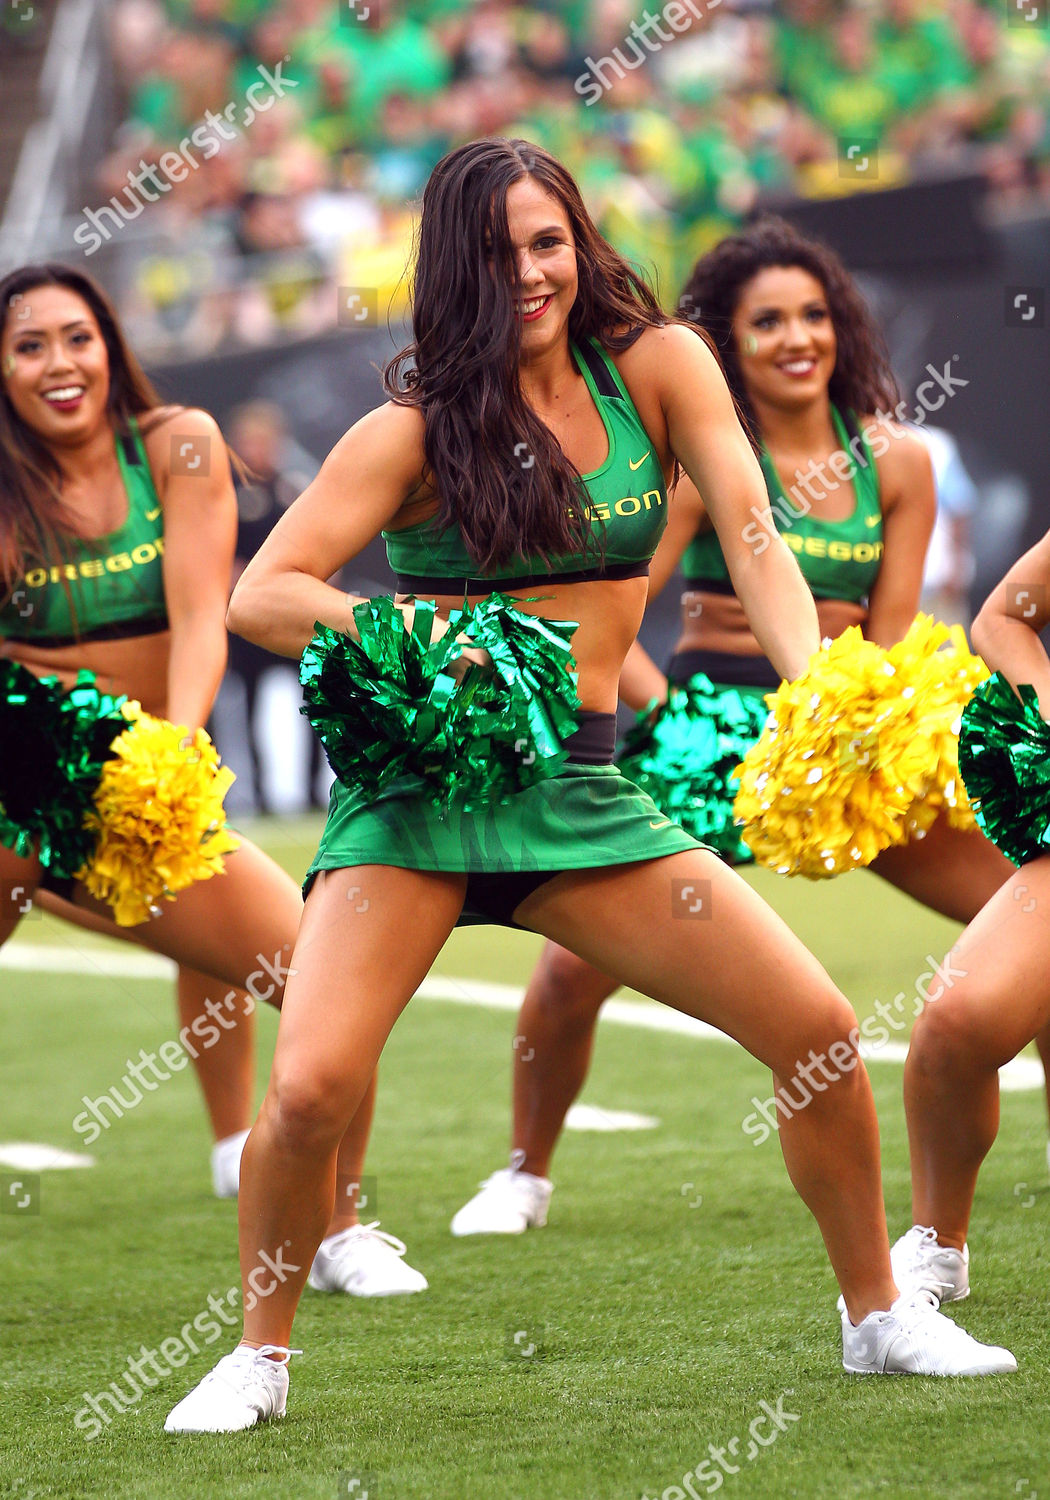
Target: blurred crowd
676 118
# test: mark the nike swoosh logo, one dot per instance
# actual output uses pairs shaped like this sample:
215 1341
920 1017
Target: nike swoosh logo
665 823
873 520
633 464
151 515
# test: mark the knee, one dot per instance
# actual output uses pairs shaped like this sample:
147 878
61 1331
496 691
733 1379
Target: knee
833 1031
308 1112
568 987
948 1038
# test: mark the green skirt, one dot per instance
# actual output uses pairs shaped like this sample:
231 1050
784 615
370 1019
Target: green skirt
587 817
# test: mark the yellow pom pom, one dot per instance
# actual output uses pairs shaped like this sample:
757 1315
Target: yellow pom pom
861 752
944 680
159 816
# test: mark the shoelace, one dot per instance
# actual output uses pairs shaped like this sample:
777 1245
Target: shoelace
247 1353
268 1349
922 1303
244 1354
506 1175
358 1232
500 1179
922 1241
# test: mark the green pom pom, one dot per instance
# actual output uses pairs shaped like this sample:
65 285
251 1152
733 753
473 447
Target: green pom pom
53 744
390 706
1004 758
685 757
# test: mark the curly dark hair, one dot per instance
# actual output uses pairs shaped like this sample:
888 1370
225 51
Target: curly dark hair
461 368
862 380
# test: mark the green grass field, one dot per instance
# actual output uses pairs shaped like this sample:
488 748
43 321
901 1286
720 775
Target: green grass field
679 1284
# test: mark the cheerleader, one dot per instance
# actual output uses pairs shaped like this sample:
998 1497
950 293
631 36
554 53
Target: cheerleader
117 527
527 322
1000 996
851 491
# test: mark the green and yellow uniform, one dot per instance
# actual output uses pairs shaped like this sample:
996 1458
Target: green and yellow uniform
589 816
101 588
838 559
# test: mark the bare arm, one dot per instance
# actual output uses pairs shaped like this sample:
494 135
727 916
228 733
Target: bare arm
686 515
909 508
714 451
641 679
200 531
364 482
1006 631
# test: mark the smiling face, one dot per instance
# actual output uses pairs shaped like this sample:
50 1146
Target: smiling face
784 337
544 252
54 364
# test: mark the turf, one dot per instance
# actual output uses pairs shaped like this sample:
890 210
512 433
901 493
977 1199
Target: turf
678 1285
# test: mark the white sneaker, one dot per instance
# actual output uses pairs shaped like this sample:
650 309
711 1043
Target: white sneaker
366 1262
919 1263
244 1388
226 1164
913 1338
510 1201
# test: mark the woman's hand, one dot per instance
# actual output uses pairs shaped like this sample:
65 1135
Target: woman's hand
470 656
467 660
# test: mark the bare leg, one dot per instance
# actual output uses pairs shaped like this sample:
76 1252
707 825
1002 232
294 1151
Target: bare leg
745 972
951 1078
552 1050
350 1162
955 871
952 871
225 1071
336 1018
264 901
237 927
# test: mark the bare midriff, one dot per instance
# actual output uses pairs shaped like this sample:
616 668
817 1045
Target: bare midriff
135 666
608 613
717 622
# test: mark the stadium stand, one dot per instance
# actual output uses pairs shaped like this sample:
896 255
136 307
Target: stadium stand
268 154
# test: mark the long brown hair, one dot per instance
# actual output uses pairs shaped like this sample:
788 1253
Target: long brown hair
33 520
461 368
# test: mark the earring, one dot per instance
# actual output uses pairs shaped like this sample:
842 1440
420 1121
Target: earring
750 345
9 364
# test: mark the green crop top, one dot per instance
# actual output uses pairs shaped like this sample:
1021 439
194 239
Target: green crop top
114 582
627 509
838 559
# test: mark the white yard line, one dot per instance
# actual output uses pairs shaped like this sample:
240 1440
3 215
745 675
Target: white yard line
1022 1073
